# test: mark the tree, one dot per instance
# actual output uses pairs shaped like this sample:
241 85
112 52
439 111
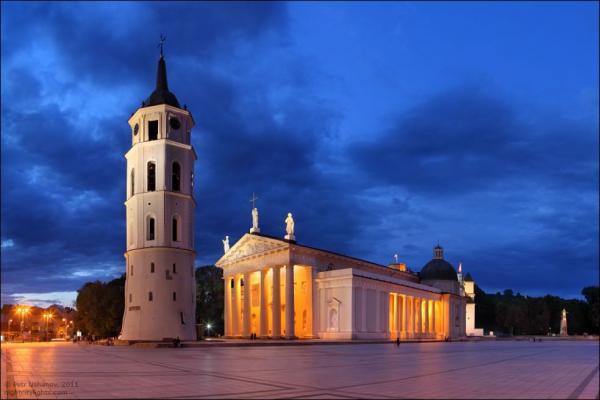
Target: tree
100 307
592 296
210 297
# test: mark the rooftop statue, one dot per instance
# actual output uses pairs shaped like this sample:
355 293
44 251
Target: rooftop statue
289 227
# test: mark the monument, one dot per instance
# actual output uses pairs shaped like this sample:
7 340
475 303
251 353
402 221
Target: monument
563 324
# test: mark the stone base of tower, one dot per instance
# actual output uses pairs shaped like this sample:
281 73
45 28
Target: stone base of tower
160 301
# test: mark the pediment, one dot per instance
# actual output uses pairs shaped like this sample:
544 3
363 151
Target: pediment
250 245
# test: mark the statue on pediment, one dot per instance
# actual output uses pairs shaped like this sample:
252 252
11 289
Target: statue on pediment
225 244
289 227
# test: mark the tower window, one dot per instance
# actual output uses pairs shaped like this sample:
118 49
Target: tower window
174 268
132 182
152 267
174 296
152 130
175 177
149 296
131 270
151 176
130 297
181 316
175 229
150 228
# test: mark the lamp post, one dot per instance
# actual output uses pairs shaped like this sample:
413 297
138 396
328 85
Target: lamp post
22 311
65 328
9 324
208 326
47 316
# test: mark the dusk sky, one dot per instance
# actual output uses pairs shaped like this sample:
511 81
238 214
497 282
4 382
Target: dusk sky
383 127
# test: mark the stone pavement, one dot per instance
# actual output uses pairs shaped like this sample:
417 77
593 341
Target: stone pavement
504 369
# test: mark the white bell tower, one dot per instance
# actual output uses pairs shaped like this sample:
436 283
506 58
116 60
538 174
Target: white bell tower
160 289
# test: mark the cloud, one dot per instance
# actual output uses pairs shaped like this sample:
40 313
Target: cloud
468 140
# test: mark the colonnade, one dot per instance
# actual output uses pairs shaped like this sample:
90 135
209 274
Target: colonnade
414 317
238 312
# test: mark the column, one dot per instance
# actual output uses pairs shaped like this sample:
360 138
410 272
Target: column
399 316
433 325
405 316
289 302
417 317
396 321
263 304
246 331
426 312
235 307
276 303
227 282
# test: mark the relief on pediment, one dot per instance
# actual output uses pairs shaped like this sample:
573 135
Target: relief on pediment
249 248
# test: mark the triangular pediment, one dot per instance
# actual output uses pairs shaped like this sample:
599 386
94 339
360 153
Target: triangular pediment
250 245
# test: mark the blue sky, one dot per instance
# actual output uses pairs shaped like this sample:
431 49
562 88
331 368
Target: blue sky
384 127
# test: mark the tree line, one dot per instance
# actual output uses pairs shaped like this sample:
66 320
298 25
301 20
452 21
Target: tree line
100 307
514 314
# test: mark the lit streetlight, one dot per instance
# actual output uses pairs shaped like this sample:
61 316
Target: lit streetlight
23 311
208 326
47 317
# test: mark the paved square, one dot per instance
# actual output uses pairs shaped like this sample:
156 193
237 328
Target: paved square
501 369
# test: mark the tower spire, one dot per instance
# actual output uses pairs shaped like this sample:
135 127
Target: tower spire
161 93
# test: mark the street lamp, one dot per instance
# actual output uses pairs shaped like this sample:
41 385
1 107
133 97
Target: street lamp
22 311
208 326
47 316
65 328
9 324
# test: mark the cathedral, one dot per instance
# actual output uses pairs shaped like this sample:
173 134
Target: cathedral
275 287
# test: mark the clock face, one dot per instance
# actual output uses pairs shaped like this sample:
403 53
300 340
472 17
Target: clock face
136 128
175 124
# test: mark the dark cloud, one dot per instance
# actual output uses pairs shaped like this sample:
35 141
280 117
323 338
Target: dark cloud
467 140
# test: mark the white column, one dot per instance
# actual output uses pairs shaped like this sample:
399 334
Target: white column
426 307
246 332
405 316
227 282
276 303
289 302
417 317
399 314
396 320
235 307
434 328
264 323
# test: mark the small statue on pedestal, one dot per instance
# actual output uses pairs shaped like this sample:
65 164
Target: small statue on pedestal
289 227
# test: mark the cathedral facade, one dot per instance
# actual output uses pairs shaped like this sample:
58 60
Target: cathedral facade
278 288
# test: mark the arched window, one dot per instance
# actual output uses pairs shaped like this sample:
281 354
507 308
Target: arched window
132 182
176 177
174 296
174 268
175 227
131 269
151 267
150 235
151 176
130 297
149 296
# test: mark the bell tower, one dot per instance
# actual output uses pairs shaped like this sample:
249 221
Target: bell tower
160 289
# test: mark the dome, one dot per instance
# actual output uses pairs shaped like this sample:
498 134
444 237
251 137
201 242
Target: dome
438 269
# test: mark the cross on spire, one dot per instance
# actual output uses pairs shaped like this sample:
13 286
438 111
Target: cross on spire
253 200
163 38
